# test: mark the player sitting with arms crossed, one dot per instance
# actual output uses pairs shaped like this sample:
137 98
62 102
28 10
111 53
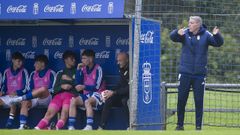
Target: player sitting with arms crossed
63 92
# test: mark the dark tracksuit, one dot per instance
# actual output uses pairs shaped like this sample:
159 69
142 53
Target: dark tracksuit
71 72
119 98
193 68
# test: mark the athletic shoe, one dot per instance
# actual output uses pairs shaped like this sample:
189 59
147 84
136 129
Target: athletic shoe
198 128
71 128
88 127
100 128
37 128
24 126
179 128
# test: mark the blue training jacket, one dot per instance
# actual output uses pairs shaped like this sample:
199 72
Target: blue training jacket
195 49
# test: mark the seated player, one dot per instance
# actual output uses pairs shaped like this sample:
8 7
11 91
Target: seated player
14 84
89 82
63 92
40 85
119 95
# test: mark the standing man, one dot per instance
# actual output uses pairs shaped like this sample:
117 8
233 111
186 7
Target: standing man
193 65
118 96
89 82
40 86
15 80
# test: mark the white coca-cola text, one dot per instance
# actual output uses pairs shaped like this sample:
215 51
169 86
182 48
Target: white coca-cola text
102 55
92 8
122 41
58 55
29 55
54 9
91 41
17 9
52 42
16 42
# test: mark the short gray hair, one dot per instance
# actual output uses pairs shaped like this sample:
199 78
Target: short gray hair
197 19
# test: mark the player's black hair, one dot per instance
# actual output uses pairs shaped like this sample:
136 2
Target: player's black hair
69 53
17 55
89 53
42 58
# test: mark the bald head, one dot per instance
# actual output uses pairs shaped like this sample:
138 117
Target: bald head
122 59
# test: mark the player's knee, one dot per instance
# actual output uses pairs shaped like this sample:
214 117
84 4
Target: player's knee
24 104
73 102
89 103
42 89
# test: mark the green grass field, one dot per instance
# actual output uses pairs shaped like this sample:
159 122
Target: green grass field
217 131
212 100
218 101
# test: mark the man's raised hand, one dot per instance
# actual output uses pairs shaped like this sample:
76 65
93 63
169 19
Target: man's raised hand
181 31
215 30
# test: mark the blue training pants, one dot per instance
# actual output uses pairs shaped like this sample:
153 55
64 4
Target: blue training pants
198 85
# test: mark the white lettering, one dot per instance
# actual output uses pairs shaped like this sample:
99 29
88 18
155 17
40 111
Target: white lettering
54 9
58 55
16 42
52 42
102 55
147 37
91 41
122 41
17 9
29 55
93 8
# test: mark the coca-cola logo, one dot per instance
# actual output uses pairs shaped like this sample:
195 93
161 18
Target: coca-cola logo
29 55
54 9
102 55
52 42
122 41
58 55
16 42
17 9
90 41
147 37
92 8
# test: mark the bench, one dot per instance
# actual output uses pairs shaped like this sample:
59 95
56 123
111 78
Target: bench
116 119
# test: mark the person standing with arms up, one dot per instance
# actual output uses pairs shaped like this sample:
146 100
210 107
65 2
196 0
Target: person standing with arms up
193 65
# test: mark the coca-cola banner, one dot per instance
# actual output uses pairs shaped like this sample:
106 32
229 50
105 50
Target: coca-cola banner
60 9
105 40
149 77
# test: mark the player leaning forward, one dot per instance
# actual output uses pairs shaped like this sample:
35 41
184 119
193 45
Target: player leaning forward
40 84
193 65
90 84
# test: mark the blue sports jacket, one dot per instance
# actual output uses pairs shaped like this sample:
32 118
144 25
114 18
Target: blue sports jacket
194 53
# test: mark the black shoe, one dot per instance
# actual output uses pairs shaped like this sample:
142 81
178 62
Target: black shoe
179 128
26 127
52 126
8 125
198 128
